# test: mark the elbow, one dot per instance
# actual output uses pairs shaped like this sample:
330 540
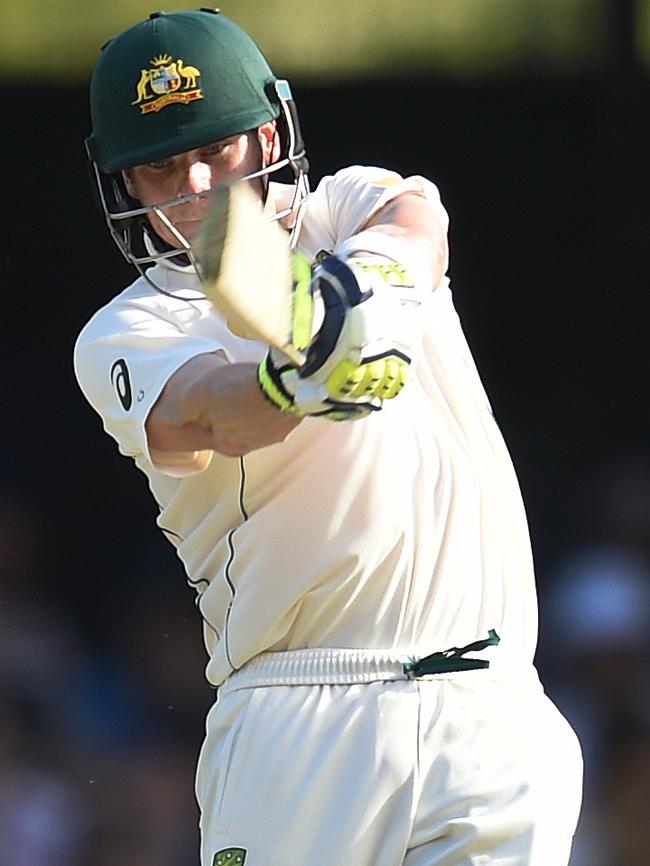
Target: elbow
169 433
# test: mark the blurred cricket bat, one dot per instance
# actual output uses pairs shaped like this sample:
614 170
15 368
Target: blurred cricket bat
244 262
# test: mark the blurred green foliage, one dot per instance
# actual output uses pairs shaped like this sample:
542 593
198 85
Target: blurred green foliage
58 40
643 32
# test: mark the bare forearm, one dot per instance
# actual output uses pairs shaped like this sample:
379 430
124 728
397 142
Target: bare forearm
241 419
210 405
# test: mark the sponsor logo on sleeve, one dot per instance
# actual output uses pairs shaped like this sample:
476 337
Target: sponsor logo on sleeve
122 383
388 180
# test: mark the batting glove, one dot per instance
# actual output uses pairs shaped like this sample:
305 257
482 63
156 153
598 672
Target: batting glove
361 352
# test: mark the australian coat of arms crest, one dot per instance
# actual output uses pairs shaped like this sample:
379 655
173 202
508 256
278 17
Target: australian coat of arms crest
165 82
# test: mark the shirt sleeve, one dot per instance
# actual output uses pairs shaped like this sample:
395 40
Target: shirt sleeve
343 203
123 358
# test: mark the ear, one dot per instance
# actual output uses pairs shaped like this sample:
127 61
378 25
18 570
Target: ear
267 135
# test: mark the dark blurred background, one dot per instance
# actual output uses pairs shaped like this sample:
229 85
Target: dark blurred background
541 158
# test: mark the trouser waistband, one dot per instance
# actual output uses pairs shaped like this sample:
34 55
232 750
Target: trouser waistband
337 666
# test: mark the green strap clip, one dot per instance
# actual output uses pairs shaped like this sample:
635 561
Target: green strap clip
450 660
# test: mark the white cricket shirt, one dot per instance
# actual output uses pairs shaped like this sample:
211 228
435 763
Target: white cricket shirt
402 531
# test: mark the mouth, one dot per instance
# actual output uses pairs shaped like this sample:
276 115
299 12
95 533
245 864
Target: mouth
188 228
185 226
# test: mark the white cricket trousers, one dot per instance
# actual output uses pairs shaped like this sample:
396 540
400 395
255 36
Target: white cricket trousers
458 769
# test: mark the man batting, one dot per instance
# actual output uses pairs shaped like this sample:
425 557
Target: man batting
353 527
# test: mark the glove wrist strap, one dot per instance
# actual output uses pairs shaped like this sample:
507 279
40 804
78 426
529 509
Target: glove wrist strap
272 388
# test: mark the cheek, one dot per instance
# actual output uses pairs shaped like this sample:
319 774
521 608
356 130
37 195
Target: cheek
158 226
130 185
136 188
150 194
249 159
146 191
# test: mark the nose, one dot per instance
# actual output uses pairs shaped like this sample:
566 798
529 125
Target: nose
198 177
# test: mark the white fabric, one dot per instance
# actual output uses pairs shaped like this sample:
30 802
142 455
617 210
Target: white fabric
421 537
403 534
399 250
470 769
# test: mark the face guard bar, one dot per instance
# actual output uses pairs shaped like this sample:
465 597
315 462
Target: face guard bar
127 220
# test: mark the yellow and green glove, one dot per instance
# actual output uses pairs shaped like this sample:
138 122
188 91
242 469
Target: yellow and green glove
362 314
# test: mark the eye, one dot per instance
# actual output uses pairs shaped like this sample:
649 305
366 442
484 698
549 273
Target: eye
219 147
215 148
160 164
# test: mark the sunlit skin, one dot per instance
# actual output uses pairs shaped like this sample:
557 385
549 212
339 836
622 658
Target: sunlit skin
197 171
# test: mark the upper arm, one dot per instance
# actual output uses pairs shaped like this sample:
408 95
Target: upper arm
365 197
412 216
171 397
123 359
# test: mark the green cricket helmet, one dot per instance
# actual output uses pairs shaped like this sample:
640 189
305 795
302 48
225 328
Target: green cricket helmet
173 83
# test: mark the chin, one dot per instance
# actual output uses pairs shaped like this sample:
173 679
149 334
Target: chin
190 230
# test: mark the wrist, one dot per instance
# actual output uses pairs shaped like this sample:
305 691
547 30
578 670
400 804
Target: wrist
273 390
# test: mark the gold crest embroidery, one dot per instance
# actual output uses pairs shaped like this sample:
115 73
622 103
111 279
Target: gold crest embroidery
165 83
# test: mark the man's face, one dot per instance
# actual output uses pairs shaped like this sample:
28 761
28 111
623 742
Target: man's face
197 171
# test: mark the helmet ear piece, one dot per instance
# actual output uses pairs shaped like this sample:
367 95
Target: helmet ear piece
279 91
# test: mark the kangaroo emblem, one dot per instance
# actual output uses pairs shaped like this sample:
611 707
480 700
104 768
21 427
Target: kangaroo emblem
141 89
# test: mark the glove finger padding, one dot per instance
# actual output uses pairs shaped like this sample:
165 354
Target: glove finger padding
383 378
